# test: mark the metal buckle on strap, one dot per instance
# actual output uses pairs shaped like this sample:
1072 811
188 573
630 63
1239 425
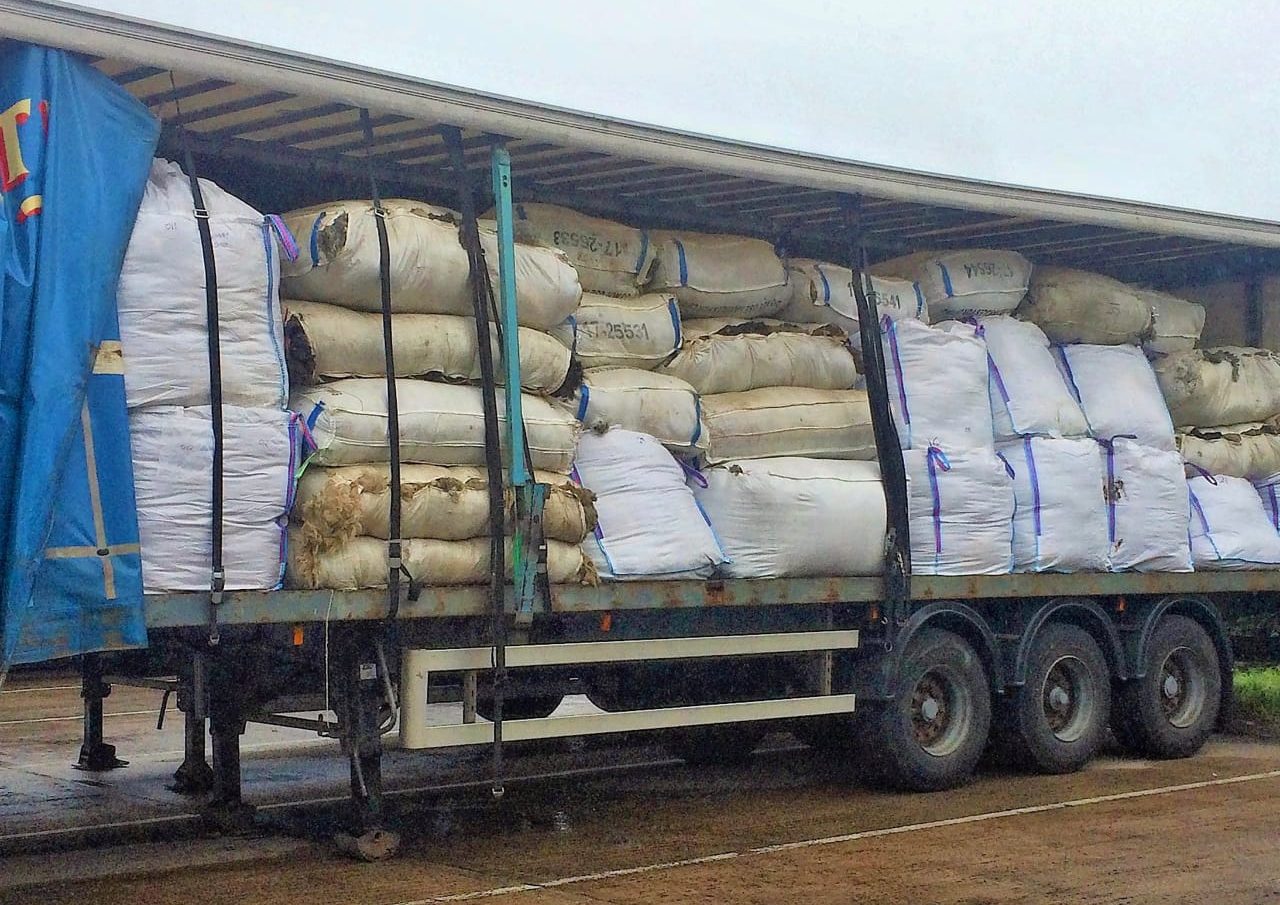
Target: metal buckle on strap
380 211
201 213
217 587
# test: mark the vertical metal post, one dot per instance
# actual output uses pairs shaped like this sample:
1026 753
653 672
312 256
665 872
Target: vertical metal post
897 565
95 754
510 320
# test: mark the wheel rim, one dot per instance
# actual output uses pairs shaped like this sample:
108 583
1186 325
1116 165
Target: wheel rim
941 713
1068 699
1182 688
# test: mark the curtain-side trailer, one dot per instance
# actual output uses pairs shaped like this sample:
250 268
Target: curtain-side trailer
911 674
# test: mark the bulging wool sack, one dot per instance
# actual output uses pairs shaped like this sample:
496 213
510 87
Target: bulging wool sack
161 298
960 509
337 504
328 341
638 332
823 293
610 257
172 451
937 379
656 404
429 267
649 526
1060 524
1226 385
966 283
823 517
1230 528
440 424
789 421
1176 324
1118 392
362 563
1147 508
1028 394
715 275
735 363
1249 451
1075 306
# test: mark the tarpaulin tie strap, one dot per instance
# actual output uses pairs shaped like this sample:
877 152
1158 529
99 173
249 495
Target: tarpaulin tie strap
890 329
936 459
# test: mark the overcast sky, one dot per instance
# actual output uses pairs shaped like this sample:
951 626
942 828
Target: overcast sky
1174 102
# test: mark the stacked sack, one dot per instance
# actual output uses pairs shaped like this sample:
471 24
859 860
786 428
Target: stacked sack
164 335
960 493
333 334
1099 326
1225 403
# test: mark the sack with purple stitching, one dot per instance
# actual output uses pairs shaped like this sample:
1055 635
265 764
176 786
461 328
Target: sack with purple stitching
960 505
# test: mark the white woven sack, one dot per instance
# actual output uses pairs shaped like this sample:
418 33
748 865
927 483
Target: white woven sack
937 379
746 361
650 403
1268 489
789 421
638 332
161 299
1147 509
715 275
965 283
1225 385
1176 324
172 451
1230 528
362 563
823 518
960 508
1060 524
440 424
610 257
429 267
1118 393
1076 306
823 293
329 341
1028 394
649 524
1249 451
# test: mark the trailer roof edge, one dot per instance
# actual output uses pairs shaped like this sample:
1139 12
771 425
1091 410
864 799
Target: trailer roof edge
94 32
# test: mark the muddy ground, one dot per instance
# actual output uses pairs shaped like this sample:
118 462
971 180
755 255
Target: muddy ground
791 827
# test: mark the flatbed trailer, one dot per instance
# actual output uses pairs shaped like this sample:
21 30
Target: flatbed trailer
908 671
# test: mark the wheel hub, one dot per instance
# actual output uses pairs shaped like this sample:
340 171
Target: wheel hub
1172 687
930 709
1066 699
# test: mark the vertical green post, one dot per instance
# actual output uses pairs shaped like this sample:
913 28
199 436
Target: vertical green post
510 325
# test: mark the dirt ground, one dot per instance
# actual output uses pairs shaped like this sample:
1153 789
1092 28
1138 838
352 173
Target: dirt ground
791 827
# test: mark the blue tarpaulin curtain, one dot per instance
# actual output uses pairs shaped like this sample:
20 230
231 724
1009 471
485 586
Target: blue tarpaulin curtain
74 155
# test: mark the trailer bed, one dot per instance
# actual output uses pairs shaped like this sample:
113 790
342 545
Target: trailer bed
286 606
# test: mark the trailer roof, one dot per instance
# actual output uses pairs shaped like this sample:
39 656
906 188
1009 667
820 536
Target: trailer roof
276 108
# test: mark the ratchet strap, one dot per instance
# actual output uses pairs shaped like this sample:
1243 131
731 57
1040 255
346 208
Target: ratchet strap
217 575
395 545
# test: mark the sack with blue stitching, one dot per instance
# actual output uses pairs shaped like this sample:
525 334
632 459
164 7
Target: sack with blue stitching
714 275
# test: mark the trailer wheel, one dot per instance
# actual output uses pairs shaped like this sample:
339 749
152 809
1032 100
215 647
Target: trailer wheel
1171 711
932 734
530 707
710 746
1057 721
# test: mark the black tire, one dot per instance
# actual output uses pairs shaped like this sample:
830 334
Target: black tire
1171 711
723 745
524 707
1057 721
932 734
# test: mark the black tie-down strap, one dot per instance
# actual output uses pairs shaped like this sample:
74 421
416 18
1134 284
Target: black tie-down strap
395 545
897 565
217 576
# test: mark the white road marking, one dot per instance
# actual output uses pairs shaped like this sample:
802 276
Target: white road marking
847 837
77 718
41 688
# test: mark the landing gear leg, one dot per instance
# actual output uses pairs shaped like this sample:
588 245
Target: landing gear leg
95 754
